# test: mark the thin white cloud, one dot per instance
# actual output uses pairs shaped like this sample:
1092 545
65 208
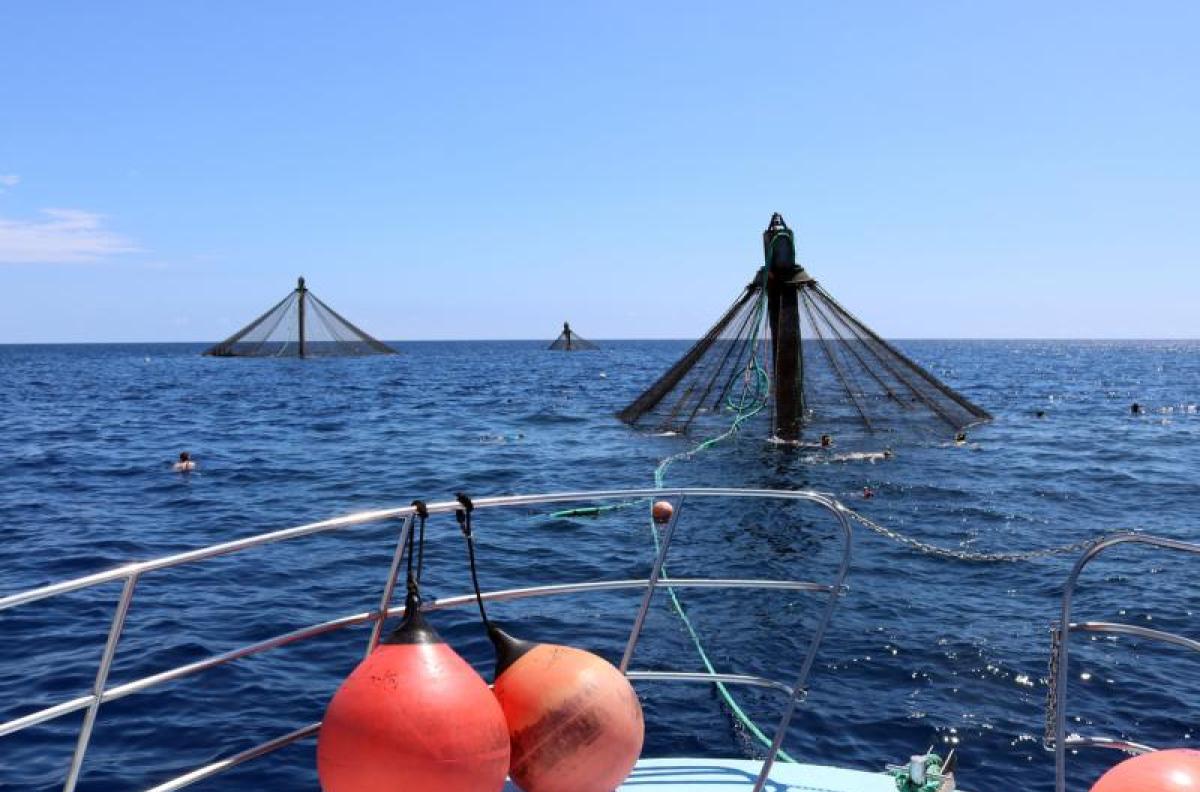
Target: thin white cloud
9 180
59 236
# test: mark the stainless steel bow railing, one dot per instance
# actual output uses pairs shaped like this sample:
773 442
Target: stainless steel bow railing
1057 695
102 693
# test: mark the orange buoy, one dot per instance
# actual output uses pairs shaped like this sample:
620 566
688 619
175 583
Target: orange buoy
1174 770
574 720
414 716
662 511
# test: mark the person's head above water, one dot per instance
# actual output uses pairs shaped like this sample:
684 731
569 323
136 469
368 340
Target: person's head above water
826 441
961 437
184 456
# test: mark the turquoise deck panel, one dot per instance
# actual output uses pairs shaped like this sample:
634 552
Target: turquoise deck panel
738 775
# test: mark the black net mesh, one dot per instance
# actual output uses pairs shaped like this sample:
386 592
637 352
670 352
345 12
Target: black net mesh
848 382
299 325
721 376
569 341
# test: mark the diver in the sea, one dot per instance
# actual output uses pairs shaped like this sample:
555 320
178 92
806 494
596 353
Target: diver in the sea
185 464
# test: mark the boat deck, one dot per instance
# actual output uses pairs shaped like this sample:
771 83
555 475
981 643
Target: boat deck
738 775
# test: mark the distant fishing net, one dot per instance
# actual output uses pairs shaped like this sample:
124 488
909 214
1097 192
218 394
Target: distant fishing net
300 325
791 357
569 341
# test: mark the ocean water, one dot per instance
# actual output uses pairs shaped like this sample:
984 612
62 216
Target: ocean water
922 651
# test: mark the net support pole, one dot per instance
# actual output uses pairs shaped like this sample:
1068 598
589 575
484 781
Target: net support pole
567 333
779 250
301 291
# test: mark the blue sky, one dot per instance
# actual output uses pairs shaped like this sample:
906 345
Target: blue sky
487 170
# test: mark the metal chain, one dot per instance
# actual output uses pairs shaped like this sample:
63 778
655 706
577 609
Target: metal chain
1049 736
967 555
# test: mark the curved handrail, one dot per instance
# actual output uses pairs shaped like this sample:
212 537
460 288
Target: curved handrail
130 573
379 515
1060 650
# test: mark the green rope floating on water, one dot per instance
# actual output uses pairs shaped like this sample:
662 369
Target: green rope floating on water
753 399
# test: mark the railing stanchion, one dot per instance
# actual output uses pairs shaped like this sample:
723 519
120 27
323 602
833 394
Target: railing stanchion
651 585
390 585
106 660
1060 651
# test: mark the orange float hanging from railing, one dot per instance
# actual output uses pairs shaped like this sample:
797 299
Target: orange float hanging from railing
1173 770
574 721
414 716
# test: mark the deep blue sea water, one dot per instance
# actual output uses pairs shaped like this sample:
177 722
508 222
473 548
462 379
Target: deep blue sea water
922 652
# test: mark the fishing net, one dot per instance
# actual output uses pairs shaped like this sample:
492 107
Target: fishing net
569 341
299 325
788 354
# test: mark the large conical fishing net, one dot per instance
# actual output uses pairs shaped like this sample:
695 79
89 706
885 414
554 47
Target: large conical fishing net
299 325
787 352
569 341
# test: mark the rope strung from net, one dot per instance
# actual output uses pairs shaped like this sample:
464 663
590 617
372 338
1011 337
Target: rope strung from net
754 397
751 401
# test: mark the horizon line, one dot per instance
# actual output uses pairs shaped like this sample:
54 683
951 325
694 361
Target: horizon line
616 340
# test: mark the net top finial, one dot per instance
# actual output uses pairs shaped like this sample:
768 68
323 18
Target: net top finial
779 248
300 283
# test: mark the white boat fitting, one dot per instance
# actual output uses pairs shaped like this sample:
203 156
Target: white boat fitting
667 774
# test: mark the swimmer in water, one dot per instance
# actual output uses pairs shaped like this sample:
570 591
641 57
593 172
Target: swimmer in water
862 456
960 438
1040 413
1135 409
185 464
868 492
826 441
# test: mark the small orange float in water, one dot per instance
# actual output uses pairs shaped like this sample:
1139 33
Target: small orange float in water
1174 770
662 511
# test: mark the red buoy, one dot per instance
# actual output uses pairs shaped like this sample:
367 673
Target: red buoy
574 720
662 511
413 716
1174 770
